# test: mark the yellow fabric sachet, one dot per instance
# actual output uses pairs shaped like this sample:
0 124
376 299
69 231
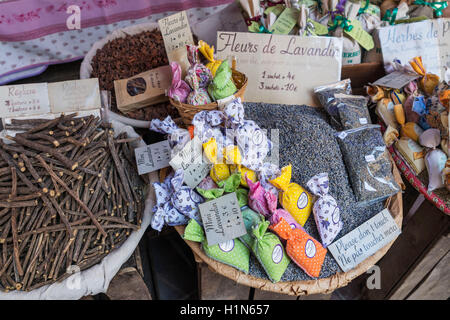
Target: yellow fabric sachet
244 172
294 199
219 171
232 155
428 81
410 129
208 53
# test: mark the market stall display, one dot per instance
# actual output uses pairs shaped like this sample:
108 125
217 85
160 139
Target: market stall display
305 163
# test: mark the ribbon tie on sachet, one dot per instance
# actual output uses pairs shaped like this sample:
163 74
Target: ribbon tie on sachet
428 81
438 7
303 249
390 16
340 21
208 53
326 210
177 137
229 185
175 203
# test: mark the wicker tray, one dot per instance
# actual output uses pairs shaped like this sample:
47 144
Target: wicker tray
297 288
188 111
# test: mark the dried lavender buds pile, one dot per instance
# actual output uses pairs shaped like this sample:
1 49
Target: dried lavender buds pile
69 194
125 57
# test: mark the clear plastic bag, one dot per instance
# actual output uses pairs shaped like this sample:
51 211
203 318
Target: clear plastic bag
352 110
368 165
326 96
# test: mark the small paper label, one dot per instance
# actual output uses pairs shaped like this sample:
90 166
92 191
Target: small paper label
319 29
74 95
396 79
152 157
370 158
222 220
361 35
285 22
364 241
24 99
176 31
190 159
277 10
342 135
363 120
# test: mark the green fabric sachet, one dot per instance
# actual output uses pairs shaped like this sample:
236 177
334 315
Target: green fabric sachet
233 252
270 252
222 85
251 219
229 185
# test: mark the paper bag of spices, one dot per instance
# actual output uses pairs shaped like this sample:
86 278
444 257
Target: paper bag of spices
142 90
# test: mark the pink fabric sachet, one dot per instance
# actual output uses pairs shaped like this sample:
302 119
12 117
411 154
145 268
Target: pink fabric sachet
277 214
179 90
256 198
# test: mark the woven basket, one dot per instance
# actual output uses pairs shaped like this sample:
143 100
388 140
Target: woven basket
306 287
188 111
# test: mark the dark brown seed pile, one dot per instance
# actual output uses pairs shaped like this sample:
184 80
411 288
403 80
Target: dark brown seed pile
125 57
69 194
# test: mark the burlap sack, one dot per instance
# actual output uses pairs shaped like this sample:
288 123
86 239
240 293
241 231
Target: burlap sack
297 288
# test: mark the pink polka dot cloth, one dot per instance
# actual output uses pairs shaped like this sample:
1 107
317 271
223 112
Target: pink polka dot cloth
35 34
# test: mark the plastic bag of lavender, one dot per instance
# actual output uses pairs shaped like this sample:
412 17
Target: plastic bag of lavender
352 110
326 96
368 165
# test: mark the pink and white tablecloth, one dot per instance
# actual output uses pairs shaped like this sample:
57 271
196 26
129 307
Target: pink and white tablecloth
35 33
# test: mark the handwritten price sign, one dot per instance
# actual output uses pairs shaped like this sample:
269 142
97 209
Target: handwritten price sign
282 68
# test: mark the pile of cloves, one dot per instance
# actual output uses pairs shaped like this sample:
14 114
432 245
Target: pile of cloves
69 194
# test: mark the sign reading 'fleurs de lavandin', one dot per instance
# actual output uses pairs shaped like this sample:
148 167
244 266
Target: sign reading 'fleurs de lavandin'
282 68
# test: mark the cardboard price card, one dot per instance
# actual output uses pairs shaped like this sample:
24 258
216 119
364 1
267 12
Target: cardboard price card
24 99
222 219
176 31
152 157
191 160
428 39
364 241
282 68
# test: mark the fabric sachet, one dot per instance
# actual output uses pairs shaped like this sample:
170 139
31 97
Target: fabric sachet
198 95
175 203
178 138
219 171
435 159
257 199
326 210
270 252
222 85
179 89
303 249
293 198
208 53
251 219
233 252
231 184
277 214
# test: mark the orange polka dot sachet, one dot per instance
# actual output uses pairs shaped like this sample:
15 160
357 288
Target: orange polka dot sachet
293 198
303 249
